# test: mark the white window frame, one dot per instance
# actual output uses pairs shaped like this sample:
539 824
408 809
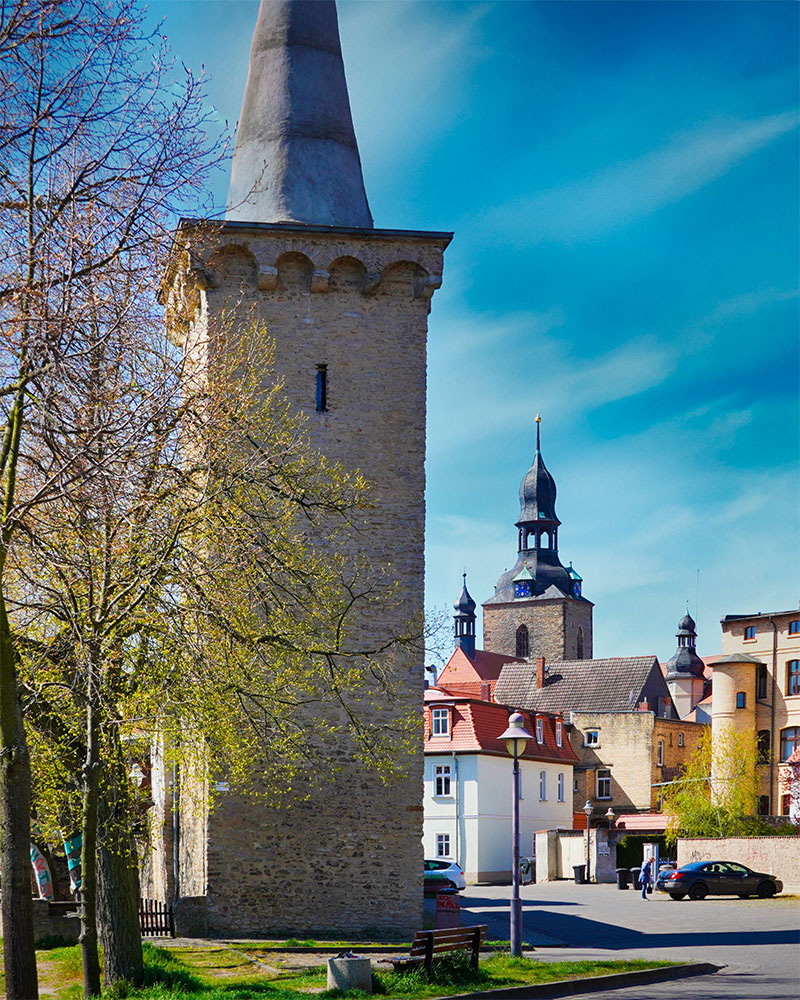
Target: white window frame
442 780
560 786
606 777
574 786
660 757
540 730
443 845
559 733
680 740
543 786
591 738
440 722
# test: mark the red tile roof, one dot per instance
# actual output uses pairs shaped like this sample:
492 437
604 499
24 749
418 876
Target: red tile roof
475 726
460 669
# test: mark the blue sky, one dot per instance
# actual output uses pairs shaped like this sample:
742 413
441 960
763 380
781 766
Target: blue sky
622 180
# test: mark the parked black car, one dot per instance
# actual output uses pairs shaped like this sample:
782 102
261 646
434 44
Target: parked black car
717 878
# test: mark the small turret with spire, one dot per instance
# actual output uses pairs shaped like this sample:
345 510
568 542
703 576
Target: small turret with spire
685 661
464 621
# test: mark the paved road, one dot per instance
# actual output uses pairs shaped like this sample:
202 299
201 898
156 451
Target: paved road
757 940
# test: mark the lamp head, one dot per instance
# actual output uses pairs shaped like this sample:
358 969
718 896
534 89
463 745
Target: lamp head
588 809
516 736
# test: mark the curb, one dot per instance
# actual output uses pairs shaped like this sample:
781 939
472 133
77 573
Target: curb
594 984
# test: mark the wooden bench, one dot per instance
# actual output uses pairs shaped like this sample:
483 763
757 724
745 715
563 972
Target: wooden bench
428 945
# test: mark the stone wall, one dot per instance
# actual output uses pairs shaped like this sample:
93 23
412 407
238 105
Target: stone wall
628 747
779 856
355 302
552 627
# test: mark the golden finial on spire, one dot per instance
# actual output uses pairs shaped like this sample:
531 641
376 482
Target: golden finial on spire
538 418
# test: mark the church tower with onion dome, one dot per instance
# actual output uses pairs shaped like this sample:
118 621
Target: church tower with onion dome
685 670
299 262
538 607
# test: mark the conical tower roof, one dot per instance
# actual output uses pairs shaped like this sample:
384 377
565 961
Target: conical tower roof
296 157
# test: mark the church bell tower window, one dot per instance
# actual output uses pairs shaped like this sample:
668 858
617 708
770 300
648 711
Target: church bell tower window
523 641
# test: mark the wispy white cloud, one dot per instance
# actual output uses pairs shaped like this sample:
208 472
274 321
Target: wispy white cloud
625 192
404 78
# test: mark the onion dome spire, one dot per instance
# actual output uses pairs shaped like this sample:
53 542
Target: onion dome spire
296 157
537 491
464 621
685 661
538 571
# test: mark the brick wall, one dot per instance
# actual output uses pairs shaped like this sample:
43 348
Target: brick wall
358 304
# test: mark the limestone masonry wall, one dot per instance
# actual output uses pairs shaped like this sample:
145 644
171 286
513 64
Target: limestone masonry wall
349 858
552 627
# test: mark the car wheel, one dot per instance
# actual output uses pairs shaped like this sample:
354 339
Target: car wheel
766 890
676 895
451 885
698 891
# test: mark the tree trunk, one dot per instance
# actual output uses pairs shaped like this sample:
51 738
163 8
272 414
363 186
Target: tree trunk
118 877
19 954
91 774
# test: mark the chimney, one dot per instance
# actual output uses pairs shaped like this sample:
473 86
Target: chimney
539 671
486 691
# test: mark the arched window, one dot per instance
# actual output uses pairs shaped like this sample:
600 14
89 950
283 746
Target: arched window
741 699
580 643
790 741
523 642
544 540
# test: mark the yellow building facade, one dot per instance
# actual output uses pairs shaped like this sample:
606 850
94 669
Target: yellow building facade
757 688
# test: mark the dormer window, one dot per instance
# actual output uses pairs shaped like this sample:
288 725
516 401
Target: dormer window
440 722
559 733
540 731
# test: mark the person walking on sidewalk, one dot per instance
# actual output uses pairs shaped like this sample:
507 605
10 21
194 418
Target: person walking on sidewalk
647 876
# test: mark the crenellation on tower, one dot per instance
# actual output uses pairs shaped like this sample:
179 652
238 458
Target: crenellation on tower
298 263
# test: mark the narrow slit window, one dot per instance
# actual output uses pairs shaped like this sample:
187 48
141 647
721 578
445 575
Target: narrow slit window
322 388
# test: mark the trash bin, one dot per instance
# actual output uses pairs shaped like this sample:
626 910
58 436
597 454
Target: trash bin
580 874
635 873
350 972
623 878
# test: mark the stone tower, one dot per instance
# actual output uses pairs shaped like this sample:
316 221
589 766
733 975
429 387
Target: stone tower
538 608
347 306
685 669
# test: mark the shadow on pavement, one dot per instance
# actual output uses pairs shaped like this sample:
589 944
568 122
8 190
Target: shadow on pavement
583 932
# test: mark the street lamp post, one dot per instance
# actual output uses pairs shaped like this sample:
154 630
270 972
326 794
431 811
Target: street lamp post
588 810
515 737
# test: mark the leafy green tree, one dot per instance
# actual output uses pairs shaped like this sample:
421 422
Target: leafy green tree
716 792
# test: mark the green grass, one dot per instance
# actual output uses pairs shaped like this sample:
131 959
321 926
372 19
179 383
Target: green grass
218 972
